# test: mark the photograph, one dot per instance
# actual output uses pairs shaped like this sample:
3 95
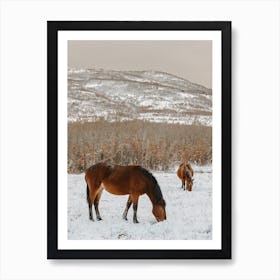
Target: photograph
139 139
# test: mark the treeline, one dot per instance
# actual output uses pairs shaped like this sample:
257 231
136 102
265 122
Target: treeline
156 146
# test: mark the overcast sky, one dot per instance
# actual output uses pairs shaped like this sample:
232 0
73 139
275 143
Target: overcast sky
191 60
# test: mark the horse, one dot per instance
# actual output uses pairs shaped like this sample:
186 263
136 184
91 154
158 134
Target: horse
133 180
185 173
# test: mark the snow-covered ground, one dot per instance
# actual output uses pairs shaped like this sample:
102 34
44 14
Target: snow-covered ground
189 214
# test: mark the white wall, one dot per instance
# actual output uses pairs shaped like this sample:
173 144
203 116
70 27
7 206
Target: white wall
255 100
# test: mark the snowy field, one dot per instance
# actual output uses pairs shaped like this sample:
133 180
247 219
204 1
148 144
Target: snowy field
189 214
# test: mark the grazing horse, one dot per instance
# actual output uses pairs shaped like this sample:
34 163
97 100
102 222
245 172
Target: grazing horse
121 180
185 173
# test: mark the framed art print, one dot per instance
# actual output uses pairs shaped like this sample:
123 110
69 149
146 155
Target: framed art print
139 140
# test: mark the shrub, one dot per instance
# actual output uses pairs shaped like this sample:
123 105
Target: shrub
155 146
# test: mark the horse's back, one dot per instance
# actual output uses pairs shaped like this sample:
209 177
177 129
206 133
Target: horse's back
126 180
181 172
118 179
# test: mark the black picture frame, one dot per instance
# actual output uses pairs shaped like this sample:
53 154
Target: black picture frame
53 27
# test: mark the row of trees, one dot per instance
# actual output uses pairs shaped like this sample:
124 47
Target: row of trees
156 146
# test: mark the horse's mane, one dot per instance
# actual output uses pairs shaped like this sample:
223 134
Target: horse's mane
157 190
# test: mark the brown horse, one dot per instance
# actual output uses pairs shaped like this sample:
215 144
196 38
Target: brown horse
185 173
121 180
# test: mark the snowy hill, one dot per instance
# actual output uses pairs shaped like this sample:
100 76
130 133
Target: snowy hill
146 95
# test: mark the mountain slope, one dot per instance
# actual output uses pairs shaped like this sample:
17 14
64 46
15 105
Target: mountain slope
147 95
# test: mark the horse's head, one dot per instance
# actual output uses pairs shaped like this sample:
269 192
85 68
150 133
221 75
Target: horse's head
159 210
189 183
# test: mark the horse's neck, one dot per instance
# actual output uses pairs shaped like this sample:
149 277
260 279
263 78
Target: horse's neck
154 194
151 197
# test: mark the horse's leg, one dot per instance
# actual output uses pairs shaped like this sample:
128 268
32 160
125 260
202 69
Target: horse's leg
183 184
89 203
96 203
91 194
135 206
128 204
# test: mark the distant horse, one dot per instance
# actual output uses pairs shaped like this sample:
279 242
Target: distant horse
121 180
185 173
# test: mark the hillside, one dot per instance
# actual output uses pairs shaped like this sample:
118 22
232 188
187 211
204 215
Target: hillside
95 94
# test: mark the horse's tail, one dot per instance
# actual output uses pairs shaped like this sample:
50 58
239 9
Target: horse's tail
87 194
88 199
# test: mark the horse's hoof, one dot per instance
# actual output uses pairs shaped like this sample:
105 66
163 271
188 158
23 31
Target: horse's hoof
125 218
135 222
99 219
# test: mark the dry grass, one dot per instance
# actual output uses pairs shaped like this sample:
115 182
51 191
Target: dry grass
155 146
